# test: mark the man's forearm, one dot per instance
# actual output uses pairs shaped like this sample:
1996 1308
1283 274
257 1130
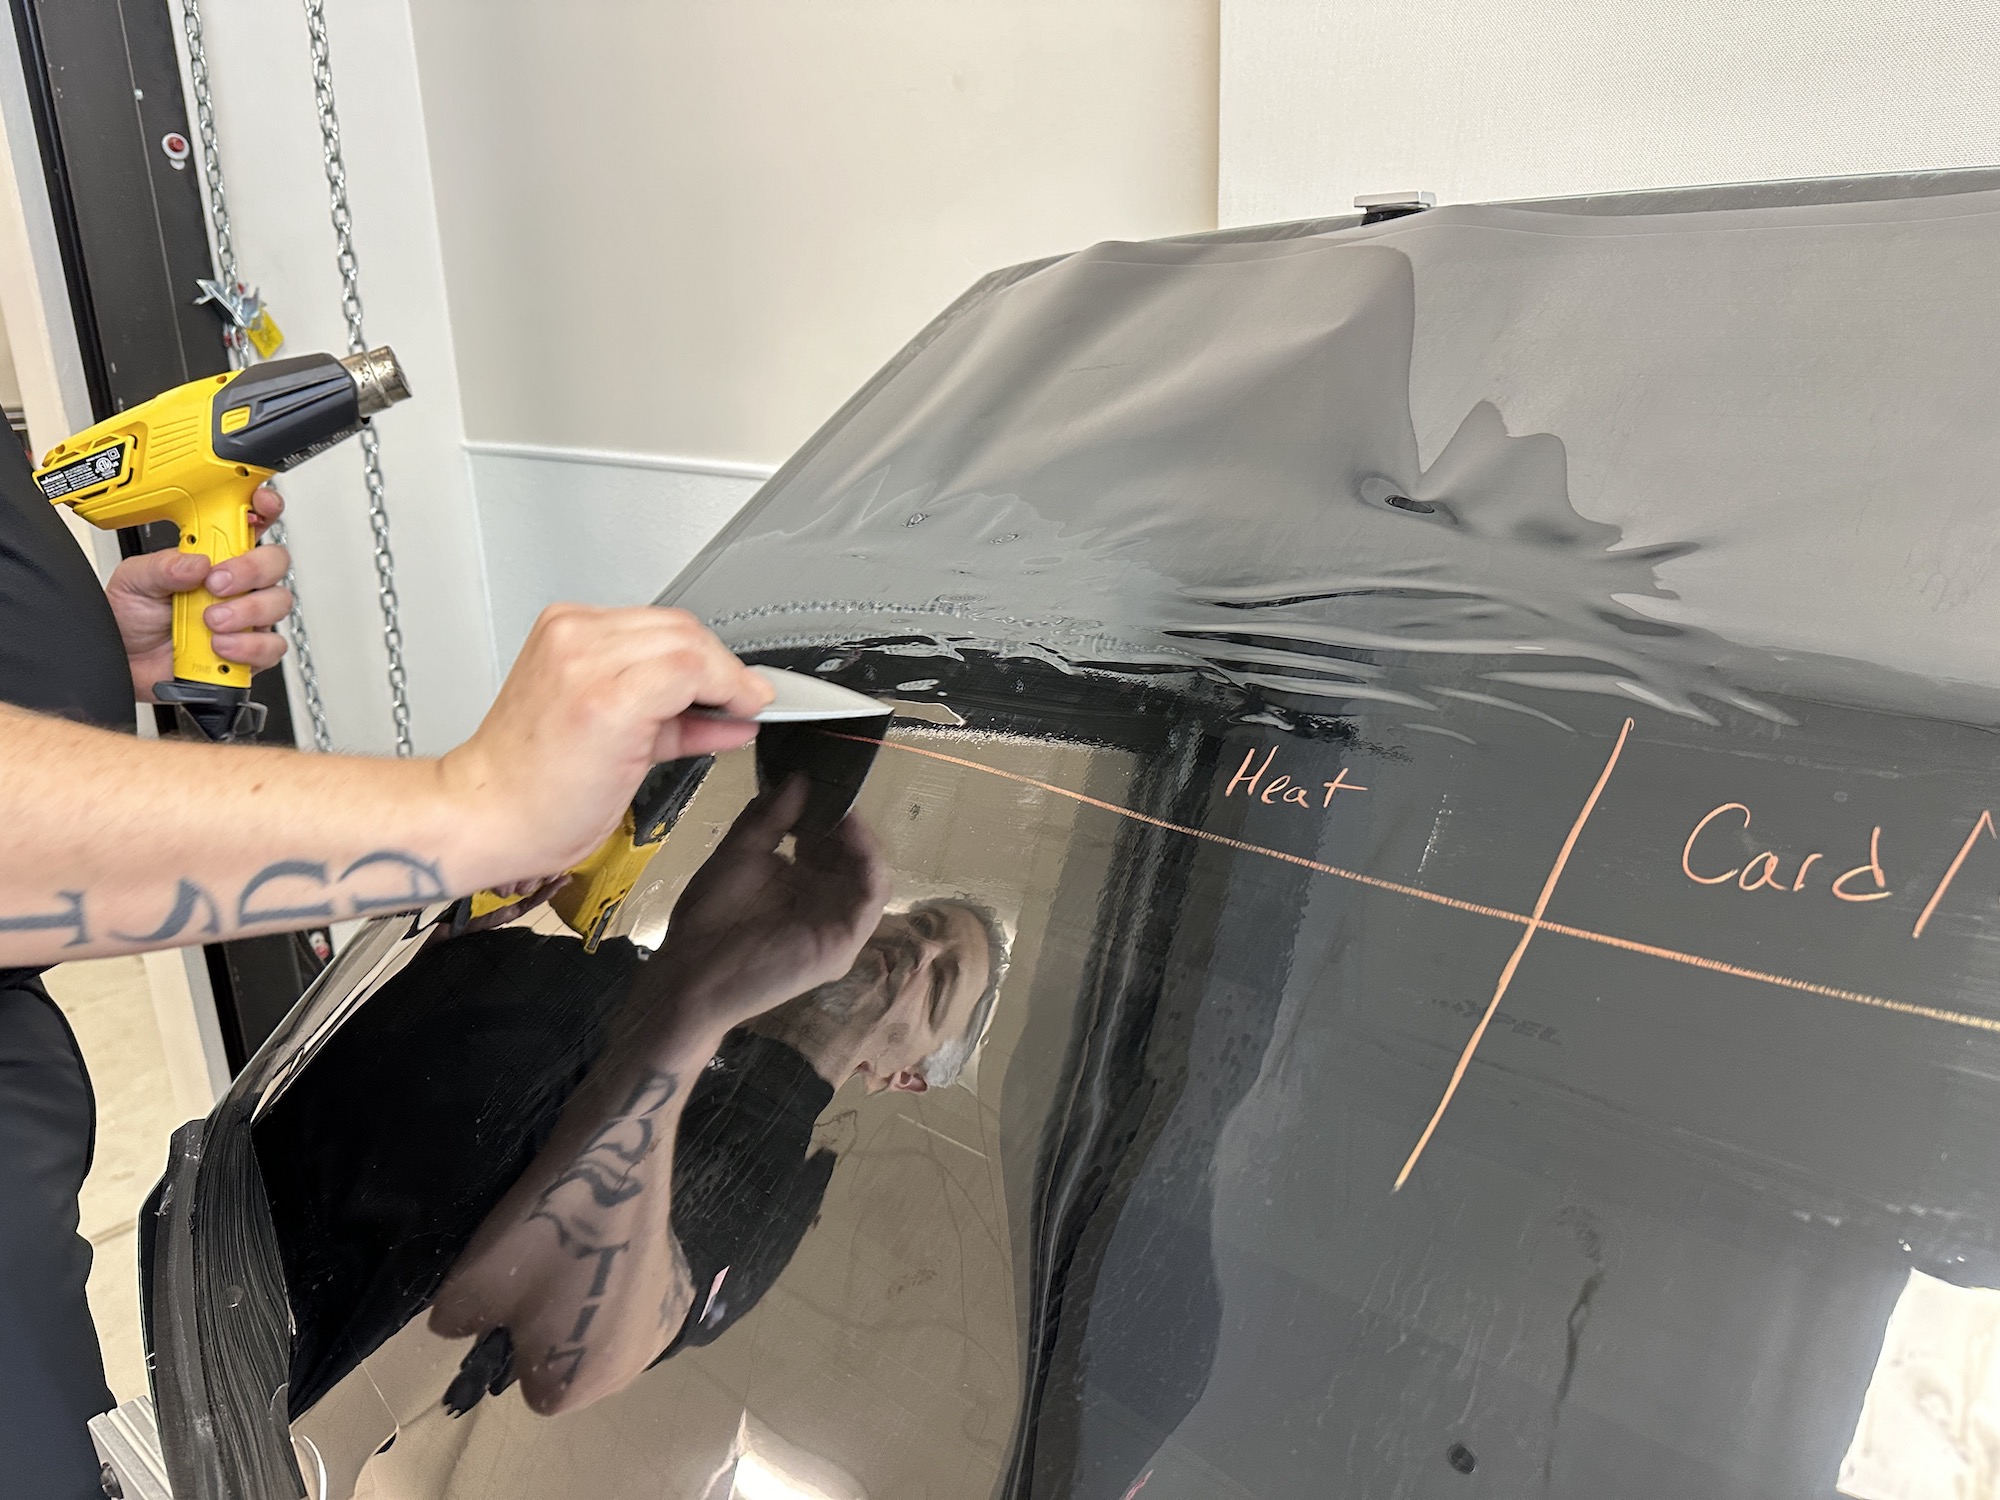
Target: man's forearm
116 845
579 1261
111 845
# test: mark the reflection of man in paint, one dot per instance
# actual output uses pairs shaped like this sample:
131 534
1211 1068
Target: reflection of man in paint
747 1182
680 1177
910 1011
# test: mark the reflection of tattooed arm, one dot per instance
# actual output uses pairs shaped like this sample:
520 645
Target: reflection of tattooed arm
582 1203
604 1167
579 1261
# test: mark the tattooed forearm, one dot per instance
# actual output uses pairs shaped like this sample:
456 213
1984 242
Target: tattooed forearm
71 916
395 882
568 1355
298 892
301 890
605 1167
582 1203
295 875
189 900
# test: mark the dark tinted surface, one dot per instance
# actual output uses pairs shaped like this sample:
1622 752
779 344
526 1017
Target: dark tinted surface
1498 703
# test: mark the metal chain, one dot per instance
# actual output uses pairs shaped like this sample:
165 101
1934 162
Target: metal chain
350 302
235 342
211 168
302 653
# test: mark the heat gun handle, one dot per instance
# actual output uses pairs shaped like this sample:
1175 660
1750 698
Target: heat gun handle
216 524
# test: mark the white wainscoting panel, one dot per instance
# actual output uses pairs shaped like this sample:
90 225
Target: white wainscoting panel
592 527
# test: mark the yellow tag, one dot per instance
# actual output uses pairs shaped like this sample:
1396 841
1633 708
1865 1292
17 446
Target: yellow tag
266 337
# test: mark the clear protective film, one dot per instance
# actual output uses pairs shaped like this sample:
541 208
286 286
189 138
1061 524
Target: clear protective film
1425 923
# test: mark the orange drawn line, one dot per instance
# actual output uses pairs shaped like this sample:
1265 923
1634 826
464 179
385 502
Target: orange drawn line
1514 959
1984 823
1560 929
1716 965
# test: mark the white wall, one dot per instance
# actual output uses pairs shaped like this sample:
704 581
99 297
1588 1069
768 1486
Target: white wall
678 226
10 380
278 203
684 231
1484 99
46 365
593 527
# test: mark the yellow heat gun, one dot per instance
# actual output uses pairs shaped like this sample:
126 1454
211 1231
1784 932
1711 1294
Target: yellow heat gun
194 456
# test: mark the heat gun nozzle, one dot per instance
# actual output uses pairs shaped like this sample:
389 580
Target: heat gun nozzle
378 379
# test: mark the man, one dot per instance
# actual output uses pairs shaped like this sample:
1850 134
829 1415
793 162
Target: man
680 1178
747 1182
912 1009
447 1145
116 845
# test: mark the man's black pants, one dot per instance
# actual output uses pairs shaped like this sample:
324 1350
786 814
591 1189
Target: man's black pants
51 1374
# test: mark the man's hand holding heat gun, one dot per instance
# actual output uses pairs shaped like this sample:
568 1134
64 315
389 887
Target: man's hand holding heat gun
250 587
119 845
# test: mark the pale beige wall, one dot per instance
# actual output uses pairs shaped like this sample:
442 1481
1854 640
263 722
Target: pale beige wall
10 383
693 227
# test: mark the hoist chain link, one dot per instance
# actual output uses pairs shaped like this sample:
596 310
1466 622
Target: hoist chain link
302 653
234 340
211 167
385 577
350 303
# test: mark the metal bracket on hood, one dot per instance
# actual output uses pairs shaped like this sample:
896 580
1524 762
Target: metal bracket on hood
1375 207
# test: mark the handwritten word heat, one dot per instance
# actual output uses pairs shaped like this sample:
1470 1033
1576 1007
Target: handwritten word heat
1282 789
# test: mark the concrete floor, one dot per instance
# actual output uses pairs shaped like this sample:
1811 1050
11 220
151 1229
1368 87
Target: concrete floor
111 1007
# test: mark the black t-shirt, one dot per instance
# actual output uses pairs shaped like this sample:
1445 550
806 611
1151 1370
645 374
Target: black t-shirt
59 647
747 1182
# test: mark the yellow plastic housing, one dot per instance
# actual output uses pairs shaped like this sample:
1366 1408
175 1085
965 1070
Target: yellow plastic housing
598 887
170 472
